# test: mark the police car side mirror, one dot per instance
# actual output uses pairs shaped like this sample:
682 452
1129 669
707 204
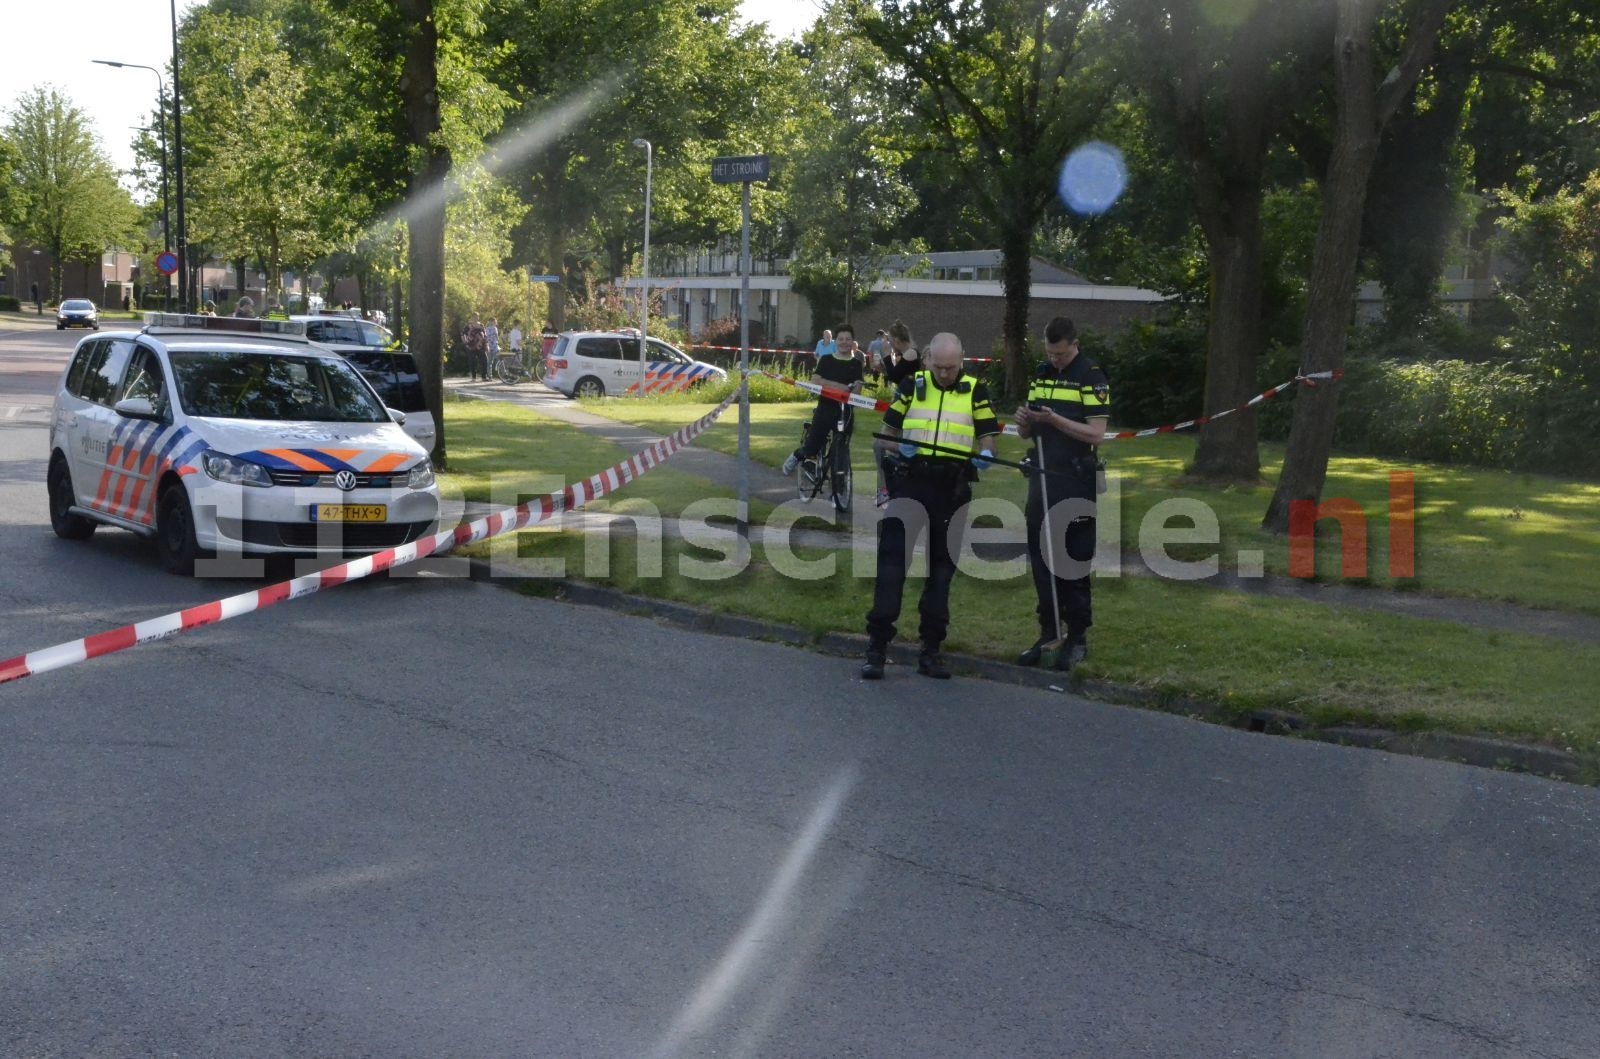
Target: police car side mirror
136 408
398 416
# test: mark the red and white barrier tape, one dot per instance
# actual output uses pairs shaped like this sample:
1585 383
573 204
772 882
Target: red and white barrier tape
507 520
753 349
857 400
803 352
1266 395
832 393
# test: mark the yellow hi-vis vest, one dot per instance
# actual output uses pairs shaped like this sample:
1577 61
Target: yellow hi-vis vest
940 417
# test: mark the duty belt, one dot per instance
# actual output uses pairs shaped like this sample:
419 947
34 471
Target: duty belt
936 469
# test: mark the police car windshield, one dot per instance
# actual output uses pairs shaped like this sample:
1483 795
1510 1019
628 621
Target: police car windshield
237 384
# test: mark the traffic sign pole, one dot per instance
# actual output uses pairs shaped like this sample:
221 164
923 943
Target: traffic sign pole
743 170
744 372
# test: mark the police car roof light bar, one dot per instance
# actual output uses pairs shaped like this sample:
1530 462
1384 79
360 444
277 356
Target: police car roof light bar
238 325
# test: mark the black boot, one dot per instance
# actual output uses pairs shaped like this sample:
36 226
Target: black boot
872 669
1073 652
931 663
1033 655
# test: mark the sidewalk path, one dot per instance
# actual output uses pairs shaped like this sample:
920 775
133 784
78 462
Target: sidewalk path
768 484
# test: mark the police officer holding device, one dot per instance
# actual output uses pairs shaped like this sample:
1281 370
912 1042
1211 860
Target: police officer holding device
1068 406
947 431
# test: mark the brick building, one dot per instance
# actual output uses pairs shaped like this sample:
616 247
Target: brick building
957 291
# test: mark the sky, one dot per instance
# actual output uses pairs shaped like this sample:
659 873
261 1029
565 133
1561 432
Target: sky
140 31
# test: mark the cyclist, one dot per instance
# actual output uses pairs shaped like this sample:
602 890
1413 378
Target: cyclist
840 369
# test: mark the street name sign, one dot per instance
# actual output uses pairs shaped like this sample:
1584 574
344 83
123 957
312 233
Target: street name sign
741 170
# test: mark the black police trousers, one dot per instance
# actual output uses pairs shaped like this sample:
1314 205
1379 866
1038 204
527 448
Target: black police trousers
1072 570
823 419
919 498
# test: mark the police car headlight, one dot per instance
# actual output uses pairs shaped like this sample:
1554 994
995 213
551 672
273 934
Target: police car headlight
234 471
421 475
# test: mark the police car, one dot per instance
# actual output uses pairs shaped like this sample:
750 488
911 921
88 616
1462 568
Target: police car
601 363
232 436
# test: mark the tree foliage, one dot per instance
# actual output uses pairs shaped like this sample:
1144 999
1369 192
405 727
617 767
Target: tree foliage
74 206
847 193
1004 90
688 79
13 192
254 169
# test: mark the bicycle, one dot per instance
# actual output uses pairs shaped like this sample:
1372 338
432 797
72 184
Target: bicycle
537 370
830 468
508 368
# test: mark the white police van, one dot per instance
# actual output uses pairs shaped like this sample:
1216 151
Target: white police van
602 363
231 436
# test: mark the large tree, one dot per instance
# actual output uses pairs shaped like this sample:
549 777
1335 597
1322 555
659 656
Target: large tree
395 91
1005 89
1221 80
76 208
690 82
1368 90
256 181
425 193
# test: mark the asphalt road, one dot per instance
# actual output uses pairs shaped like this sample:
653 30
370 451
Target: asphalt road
428 817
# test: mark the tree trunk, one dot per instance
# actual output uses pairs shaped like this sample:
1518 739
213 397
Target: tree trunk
1359 119
1016 268
1228 451
617 256
425 215
1412 211
397 316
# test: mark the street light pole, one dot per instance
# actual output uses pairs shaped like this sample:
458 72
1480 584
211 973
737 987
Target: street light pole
161 122
644 290
177 136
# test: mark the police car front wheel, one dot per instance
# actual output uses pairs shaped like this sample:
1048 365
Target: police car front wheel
66 525
175 539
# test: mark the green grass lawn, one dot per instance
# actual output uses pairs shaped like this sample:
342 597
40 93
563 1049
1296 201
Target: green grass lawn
498 450
1479 533
1328 663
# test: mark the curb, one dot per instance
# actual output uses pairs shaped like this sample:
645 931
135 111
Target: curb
1479 751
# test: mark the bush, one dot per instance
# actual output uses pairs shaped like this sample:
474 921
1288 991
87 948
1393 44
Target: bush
1157 371
10 303
1444 410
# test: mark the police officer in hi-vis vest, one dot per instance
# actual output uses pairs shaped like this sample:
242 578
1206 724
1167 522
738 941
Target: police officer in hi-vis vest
1069 403
937 406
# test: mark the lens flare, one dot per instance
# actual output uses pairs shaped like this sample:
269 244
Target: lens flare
1092 178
